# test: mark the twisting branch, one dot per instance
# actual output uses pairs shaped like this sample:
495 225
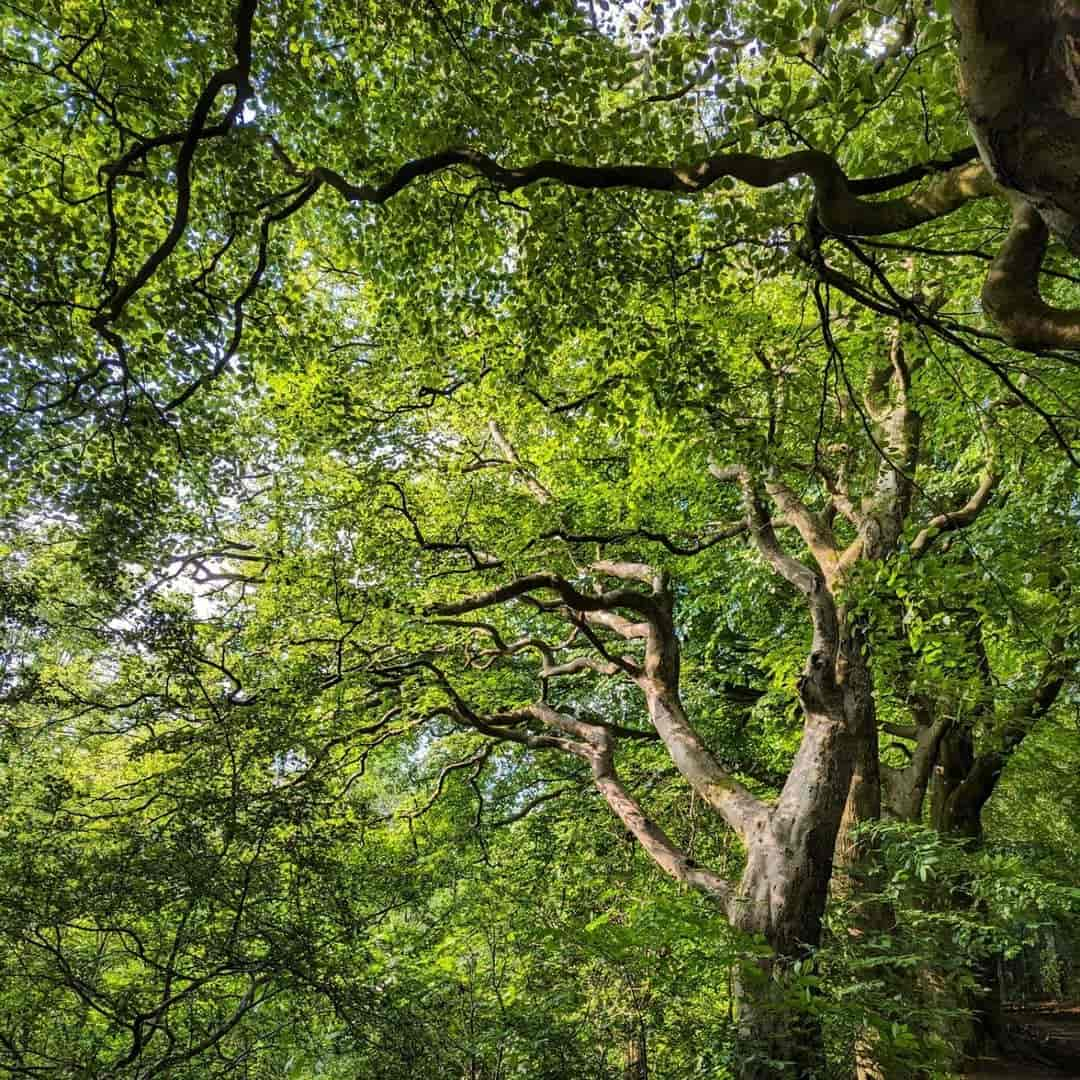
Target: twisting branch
667 855
811 584
594 742
477 759
550 668
958 519
714 534
612 600
237 76
837 208
512 727
1011 293
876 185
527 808
657 675
480 560
298 197
761 530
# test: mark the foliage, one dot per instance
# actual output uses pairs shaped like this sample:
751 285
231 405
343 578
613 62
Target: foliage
952 916
318 320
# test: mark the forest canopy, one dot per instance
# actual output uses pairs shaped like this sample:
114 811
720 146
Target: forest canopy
538 536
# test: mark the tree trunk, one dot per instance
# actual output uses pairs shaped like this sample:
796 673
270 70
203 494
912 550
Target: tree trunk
1019 70
775 1041
781 898
636 1065
785 885
853 859
771 1030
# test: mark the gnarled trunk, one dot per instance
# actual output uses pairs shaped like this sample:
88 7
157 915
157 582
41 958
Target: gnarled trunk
785 884
1019 66
781 898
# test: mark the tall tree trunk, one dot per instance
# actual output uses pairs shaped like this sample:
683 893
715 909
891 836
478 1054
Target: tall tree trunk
853 858
781 898
785 885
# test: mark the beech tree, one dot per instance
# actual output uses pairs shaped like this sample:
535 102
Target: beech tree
465 419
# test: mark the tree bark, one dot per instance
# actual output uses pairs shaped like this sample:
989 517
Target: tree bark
1020 81
785 884
1019 68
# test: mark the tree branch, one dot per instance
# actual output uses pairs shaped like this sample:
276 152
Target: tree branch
958 519
812 585
510 454
814 530
1011 294
669 857
238 76
979 784
715 534
838 210
629 599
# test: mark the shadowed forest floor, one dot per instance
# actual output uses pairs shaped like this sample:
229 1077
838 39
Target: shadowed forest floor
1051 1024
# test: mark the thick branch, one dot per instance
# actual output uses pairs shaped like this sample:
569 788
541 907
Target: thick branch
730 799
508 727
658 679
814 530
1019 71
576 601
896 437
630 571
670 858
838 210
626 629
595 742
967 801
876 185
1011 295
904 789
957 519
761 529
810 584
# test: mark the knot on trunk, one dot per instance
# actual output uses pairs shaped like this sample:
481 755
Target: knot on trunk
817 685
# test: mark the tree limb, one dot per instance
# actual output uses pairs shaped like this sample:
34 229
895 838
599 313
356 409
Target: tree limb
957 519
576 601
510 454
838 210
1011 294
812 585
669 857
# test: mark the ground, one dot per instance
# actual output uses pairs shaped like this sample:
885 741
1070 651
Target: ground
1052 1027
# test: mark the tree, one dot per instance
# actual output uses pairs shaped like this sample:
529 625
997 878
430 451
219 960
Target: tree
324 309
